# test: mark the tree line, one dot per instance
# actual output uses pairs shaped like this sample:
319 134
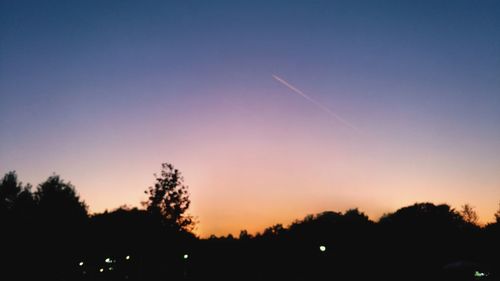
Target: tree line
48 233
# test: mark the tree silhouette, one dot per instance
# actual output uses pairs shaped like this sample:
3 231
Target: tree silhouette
16 200
497 214
51 231
469 214
61 222
169 199
244 235
58 200
16 218
274 230
10 189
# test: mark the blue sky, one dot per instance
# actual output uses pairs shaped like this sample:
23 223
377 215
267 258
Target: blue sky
103 91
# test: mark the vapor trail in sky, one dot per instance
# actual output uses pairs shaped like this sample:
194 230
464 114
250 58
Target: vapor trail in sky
318 104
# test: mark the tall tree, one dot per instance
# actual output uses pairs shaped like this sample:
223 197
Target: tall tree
61 220
469 214
57 200
169 199
14 197
10 188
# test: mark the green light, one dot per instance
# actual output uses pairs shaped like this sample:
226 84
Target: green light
479 274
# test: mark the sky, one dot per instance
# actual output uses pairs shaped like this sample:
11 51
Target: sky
272 110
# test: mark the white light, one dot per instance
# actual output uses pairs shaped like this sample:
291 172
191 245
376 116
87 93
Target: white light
127 257
80 263
111 268
186 256
479 274
108 260
101 269
322 248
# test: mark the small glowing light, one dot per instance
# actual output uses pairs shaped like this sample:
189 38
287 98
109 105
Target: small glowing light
479 274
80 263
127 257
322 248
110 268
101 269
108 260
186 256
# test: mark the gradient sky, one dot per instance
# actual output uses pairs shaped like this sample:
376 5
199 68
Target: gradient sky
103 92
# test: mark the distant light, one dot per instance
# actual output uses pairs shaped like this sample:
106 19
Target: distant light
479 274
186 256
101 269
127 257
80 263
322 248
110 268
108 260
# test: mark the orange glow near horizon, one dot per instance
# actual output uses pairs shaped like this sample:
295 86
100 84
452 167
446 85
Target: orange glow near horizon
271 110
245 172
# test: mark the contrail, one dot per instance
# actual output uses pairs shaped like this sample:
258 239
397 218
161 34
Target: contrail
318 104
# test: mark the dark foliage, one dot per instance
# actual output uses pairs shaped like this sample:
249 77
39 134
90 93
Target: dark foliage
169 199
48 235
